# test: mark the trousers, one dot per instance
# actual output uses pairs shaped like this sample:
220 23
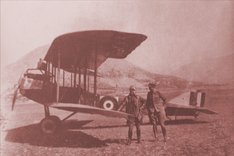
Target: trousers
134 121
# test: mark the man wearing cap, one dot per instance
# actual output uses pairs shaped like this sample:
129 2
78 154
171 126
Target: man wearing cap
155 105
133 104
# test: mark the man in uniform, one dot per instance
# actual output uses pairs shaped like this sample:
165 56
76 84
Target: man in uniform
155 105
133 104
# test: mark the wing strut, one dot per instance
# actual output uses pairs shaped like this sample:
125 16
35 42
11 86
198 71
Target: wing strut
79 76
58 79
70 115
95 76
85 78
75 72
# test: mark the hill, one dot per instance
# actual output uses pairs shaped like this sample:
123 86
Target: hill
122 73
211 71
12 72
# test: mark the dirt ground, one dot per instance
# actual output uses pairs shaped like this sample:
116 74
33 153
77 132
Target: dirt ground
98 135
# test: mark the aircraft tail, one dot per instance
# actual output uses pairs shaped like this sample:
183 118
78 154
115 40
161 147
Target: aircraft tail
197 98
192 98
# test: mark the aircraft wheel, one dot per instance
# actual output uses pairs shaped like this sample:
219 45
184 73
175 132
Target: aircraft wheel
56 119
50 125
108 103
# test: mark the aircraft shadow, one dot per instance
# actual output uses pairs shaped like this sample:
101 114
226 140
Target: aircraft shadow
32 135
184 121
72 125
75 124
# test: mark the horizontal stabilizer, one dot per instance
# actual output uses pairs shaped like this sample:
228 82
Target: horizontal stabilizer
195 108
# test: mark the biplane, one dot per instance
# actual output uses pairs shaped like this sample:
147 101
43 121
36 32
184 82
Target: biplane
66 78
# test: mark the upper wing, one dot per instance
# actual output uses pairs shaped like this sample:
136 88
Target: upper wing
172 106
82 49
89 109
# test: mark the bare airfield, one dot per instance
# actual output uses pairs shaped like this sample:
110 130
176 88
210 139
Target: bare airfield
86 134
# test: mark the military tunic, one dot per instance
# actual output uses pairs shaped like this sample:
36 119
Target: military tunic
133 105
155 105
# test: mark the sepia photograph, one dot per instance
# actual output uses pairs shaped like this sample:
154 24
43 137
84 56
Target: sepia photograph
117 78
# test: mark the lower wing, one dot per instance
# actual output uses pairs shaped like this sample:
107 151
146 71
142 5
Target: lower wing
89 110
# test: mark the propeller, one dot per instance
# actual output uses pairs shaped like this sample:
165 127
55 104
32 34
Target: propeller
16 93
14 98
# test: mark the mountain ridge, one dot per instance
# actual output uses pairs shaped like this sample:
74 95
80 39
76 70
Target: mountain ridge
217 70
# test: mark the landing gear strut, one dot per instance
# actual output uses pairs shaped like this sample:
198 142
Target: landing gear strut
50 124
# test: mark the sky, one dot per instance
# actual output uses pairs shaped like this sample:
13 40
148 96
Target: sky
178 31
